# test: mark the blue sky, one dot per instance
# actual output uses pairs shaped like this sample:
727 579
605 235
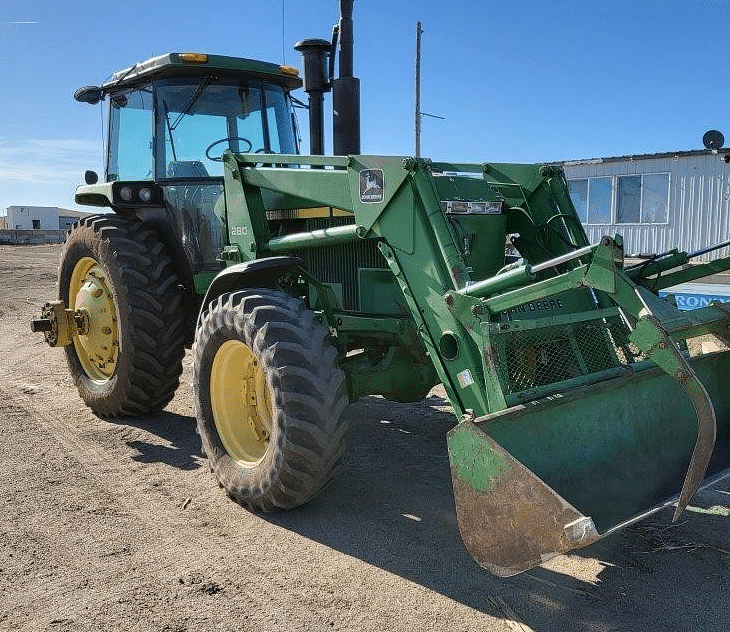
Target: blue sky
520 81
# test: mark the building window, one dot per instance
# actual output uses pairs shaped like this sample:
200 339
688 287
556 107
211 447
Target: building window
36 224
639 199
578 190
643 199
628 206
592 199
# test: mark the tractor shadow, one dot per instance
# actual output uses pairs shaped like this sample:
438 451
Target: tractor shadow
174 441
392 506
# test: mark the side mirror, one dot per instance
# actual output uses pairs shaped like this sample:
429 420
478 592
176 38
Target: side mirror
91 177
89 94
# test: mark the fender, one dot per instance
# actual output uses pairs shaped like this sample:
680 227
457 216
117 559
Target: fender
258 273
151 212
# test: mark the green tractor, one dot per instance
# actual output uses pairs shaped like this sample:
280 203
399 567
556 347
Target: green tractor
306 282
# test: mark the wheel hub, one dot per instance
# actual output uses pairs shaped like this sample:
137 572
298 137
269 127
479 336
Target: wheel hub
241 403
92 298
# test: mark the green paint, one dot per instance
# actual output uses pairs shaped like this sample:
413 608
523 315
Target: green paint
431 268
474 461
619 447
314 239
393 275
202 281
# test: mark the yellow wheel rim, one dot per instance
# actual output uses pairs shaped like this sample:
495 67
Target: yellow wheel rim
241 403
90 292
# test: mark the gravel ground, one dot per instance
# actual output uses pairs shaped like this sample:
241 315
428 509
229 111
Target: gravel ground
120 526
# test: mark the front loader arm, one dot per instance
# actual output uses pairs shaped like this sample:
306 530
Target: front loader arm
564 372
403 213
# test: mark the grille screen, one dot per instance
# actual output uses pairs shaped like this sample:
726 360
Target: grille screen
340 264
545 355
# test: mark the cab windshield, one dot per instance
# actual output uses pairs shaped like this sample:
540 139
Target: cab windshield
198 122
179 128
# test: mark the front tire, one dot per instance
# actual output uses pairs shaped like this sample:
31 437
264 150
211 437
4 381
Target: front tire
269 398
129 360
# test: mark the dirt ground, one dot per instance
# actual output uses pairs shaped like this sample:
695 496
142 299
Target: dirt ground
120 526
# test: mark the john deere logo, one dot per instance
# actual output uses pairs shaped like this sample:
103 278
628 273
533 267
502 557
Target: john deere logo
371 186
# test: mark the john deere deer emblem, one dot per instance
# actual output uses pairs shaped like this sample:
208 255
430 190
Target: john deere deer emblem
371 186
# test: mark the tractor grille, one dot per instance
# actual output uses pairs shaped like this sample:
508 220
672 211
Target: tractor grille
340 264
533 356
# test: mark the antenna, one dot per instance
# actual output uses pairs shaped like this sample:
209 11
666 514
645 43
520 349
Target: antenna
419 30
713 140
283 33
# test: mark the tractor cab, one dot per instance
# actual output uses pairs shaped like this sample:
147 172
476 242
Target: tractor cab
170 120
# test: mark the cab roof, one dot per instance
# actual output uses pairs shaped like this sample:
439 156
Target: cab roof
199 64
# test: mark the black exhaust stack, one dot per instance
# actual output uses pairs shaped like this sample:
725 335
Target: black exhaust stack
319 61
345 92
316 83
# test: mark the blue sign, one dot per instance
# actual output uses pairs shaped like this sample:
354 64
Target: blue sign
692 300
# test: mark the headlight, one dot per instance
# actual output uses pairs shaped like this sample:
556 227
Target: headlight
137 194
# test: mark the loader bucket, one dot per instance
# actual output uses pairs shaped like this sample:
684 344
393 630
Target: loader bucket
542 478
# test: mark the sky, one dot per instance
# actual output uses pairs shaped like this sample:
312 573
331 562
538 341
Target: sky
518 81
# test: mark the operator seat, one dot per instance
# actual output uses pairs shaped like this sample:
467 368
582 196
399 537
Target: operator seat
186 169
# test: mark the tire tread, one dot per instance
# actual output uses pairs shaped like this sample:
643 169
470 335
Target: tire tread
308 396
150 294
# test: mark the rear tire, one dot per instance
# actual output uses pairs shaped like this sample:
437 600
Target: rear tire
269 397
129 361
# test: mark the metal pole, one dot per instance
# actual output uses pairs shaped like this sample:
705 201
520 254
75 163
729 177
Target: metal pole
704 251
324 237
418 89
316 123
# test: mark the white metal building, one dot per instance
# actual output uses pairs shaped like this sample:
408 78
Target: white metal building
41 218
656 201
67 218
33 218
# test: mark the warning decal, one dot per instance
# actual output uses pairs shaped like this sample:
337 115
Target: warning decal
465 378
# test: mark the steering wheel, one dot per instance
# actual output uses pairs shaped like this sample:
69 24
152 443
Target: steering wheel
225 140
